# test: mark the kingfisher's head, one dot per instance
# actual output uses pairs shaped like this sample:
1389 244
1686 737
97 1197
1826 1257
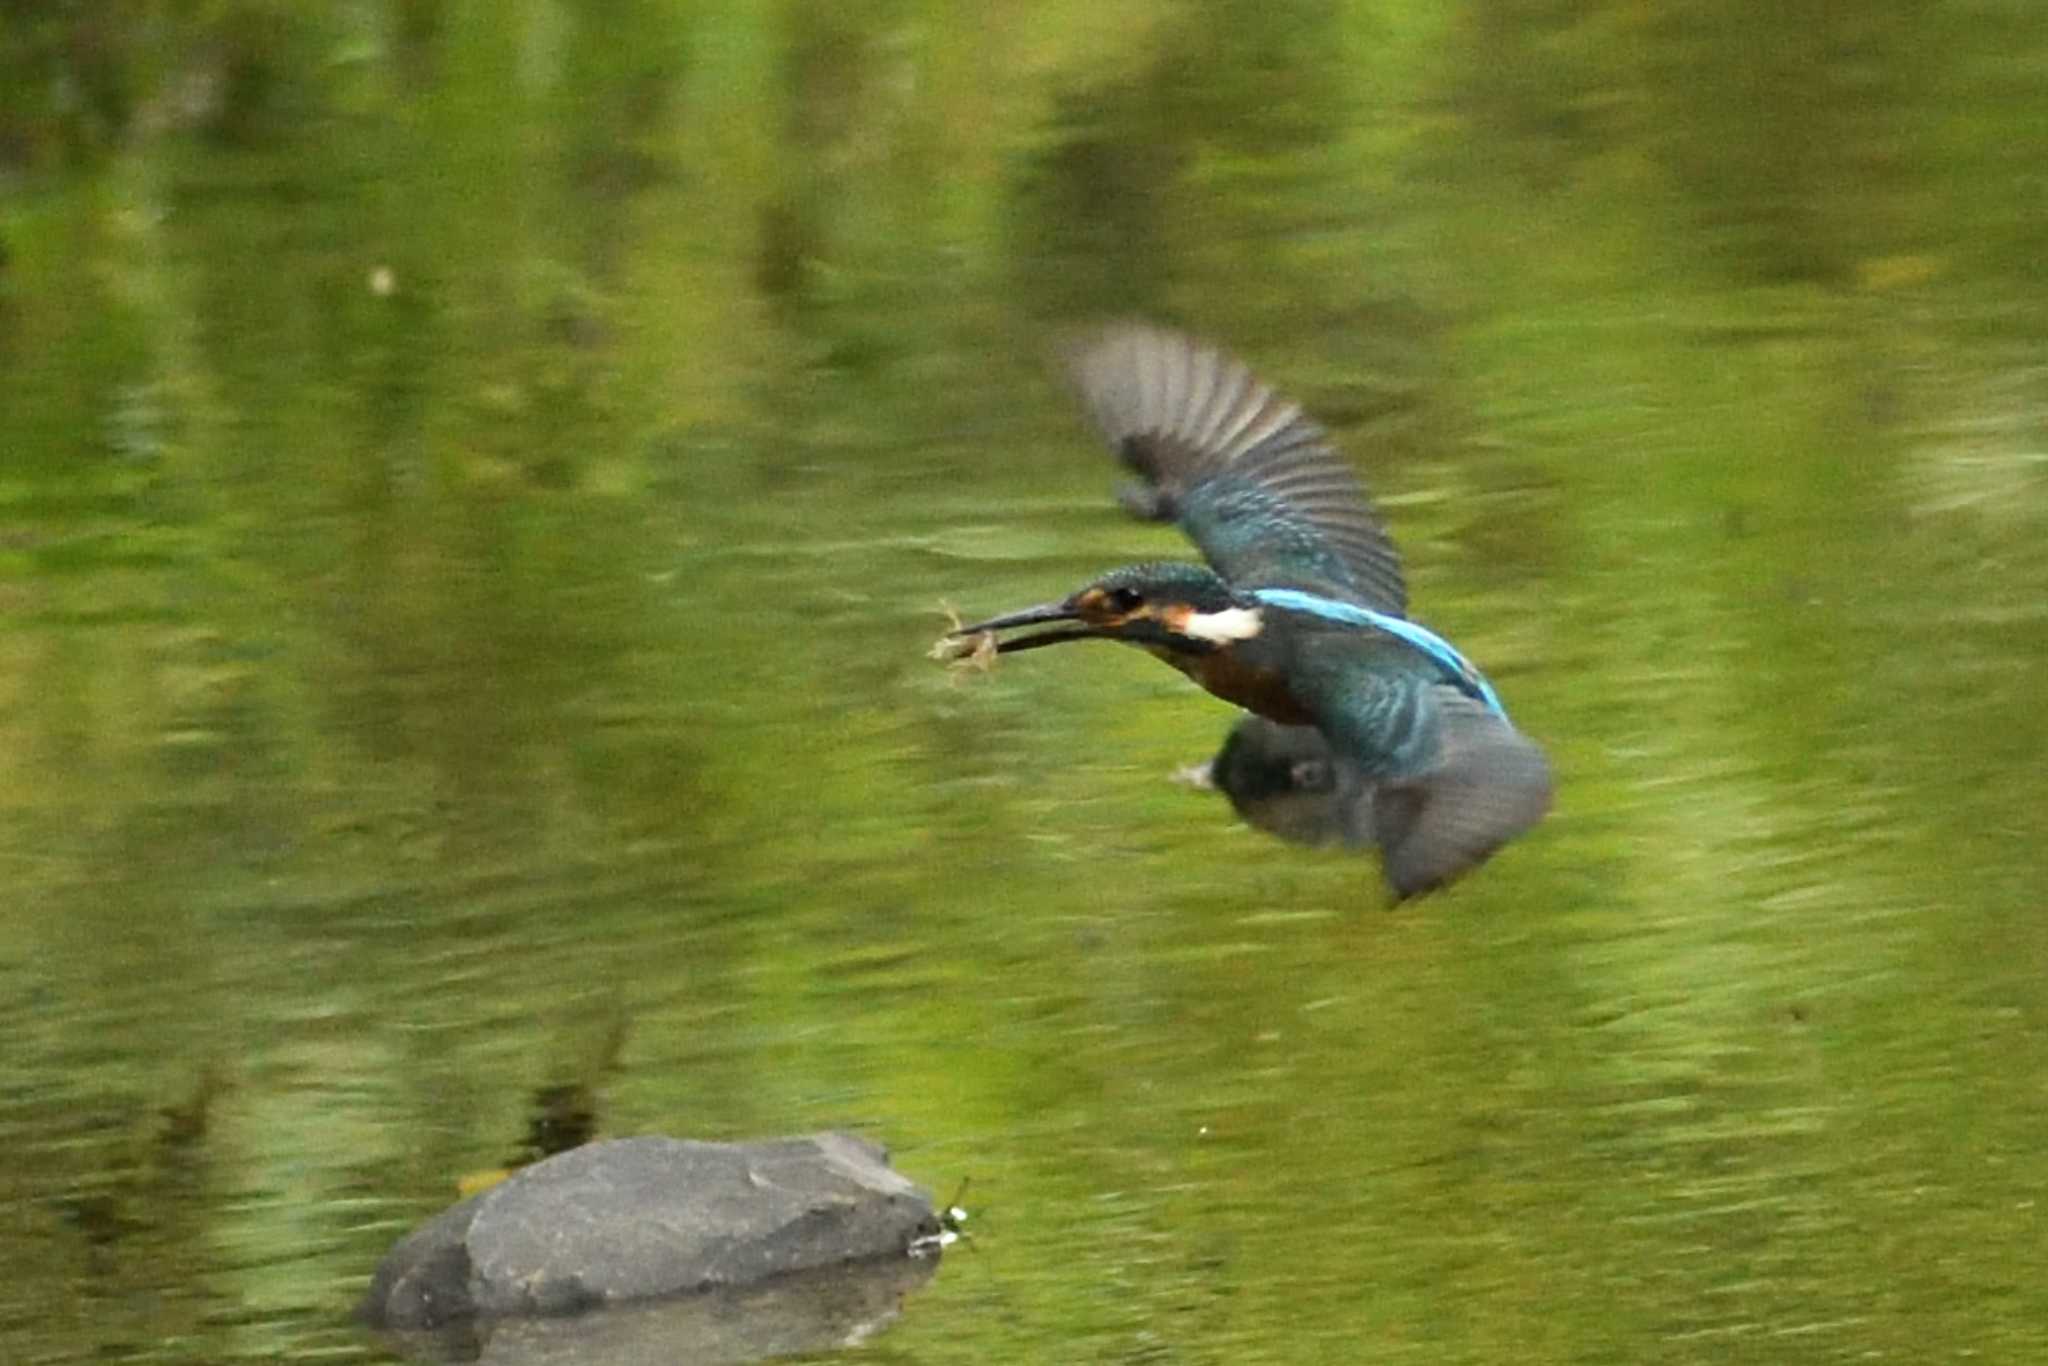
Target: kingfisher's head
1178 608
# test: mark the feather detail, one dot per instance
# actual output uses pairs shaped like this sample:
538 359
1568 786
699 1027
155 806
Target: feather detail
1250 478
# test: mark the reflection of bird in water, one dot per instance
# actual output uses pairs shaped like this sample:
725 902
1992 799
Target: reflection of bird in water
560 1115
1299 616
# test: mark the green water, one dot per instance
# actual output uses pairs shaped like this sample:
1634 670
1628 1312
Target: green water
477 482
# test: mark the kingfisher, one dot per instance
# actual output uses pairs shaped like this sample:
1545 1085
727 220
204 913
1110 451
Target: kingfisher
1299 615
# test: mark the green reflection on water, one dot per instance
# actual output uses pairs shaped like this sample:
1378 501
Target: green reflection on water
478 485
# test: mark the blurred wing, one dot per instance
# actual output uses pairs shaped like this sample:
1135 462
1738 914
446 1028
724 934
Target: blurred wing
1250 479
1488 784
1452 778
1484 784
1285 781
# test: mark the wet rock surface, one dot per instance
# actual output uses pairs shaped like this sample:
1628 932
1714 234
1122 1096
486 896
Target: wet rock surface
806 1311
641 1218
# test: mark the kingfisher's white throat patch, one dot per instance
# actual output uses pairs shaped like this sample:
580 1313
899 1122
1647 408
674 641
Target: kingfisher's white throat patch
1220 628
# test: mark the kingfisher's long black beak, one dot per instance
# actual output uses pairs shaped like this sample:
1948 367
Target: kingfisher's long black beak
1030 616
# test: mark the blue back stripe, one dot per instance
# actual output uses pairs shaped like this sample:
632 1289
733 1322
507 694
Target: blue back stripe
1421 637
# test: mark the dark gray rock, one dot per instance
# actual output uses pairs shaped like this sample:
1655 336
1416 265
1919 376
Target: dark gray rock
637 1218
806 1311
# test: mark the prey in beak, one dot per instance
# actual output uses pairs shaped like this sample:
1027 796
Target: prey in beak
1030 616
1183 610
975 647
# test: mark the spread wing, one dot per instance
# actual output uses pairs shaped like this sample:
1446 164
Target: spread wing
1251 480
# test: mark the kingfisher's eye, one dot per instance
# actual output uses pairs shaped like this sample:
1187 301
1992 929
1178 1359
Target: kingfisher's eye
1122 601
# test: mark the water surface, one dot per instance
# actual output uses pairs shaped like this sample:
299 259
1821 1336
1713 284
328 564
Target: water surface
479 482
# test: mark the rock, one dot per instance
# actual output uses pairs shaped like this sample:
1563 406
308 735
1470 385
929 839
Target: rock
821 1310
638 1218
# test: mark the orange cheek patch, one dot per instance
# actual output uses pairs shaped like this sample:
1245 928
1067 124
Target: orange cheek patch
1093 607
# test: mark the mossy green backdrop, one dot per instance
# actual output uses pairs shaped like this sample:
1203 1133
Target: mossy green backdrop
477 481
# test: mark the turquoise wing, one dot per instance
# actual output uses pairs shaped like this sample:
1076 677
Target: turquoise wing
1451 779
1487 784
1250 479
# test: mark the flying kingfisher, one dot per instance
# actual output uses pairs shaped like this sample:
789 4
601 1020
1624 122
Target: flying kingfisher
1300 615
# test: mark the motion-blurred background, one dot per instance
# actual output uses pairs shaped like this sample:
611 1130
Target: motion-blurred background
477 481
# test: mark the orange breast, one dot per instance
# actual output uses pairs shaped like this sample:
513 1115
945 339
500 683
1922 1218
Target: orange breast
1261 690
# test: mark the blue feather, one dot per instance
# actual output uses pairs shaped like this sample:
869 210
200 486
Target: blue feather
1421 637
